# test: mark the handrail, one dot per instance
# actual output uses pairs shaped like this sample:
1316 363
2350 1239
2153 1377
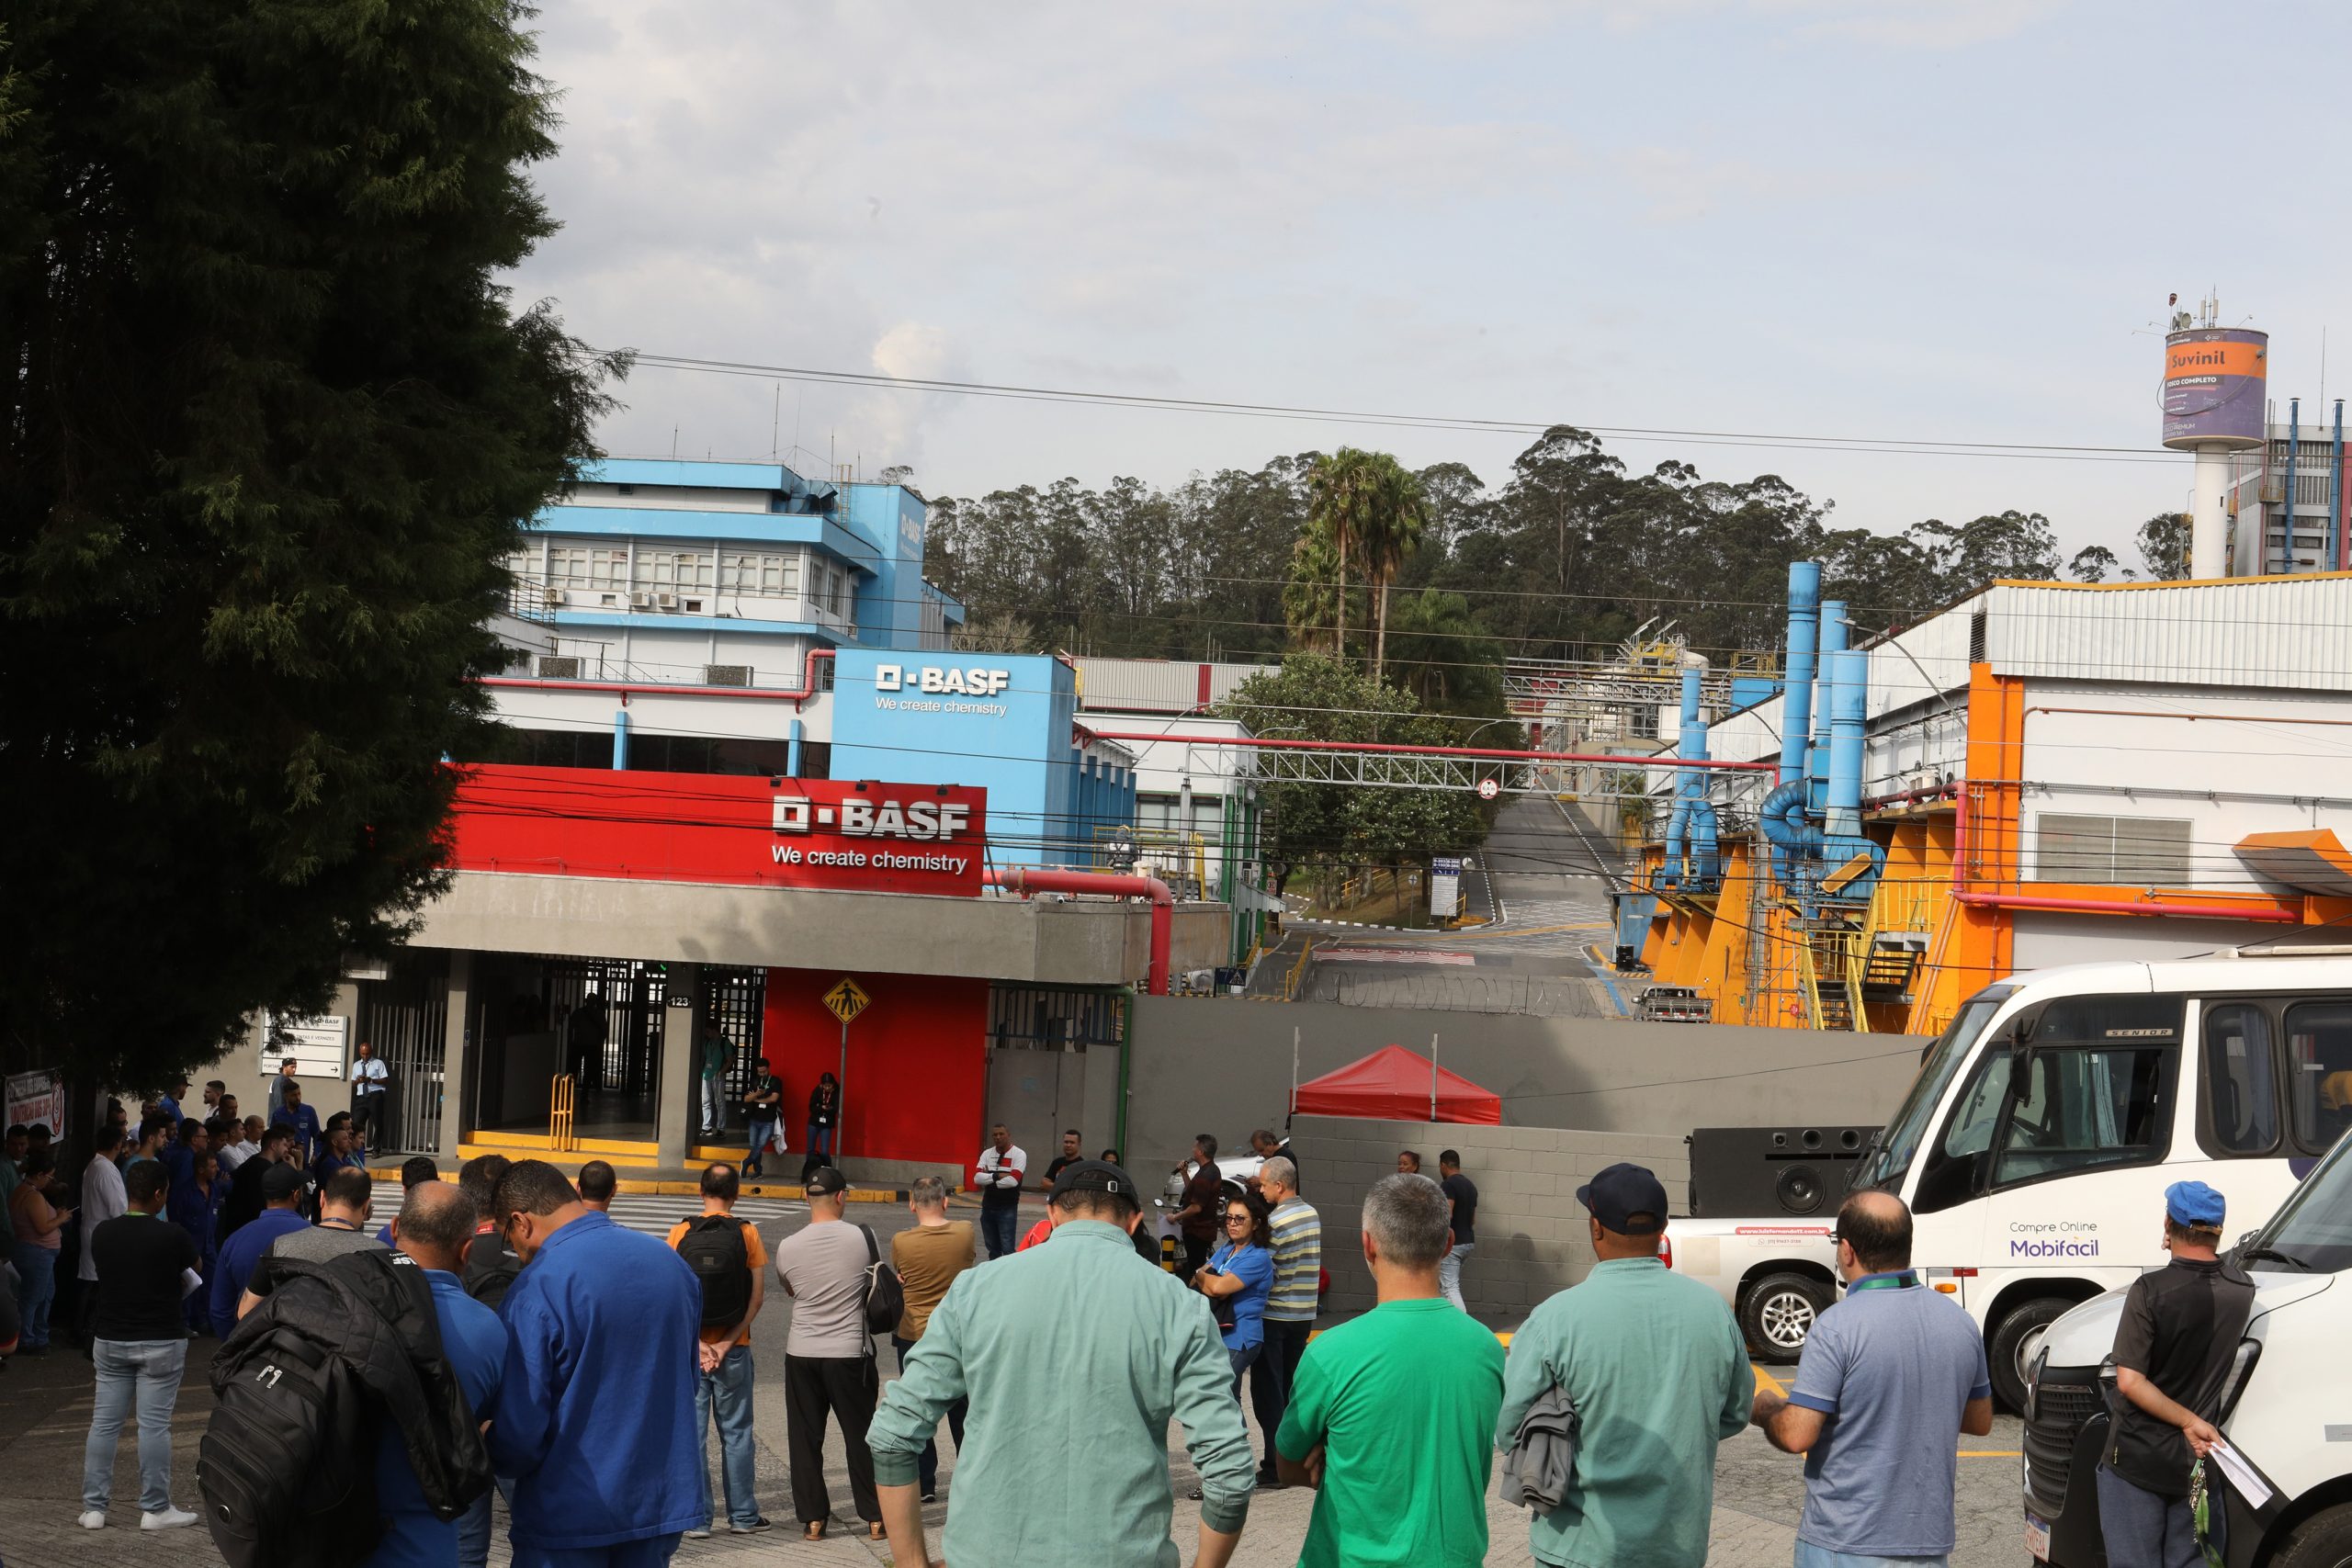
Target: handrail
562 1097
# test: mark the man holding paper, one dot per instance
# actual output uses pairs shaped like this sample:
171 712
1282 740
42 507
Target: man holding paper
2180 1331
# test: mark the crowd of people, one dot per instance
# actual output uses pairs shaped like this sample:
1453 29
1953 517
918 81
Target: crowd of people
596 1362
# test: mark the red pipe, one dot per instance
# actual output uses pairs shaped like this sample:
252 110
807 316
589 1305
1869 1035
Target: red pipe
1024 881
2121 907
807 689
1480 751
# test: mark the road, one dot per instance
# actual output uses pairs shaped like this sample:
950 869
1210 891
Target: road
1542 878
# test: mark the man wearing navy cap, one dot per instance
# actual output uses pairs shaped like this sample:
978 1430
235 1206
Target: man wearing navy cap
1659 1375
2180 1332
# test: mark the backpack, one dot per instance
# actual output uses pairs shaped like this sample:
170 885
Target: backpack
885 1294
713 1248
339 1356
491 1267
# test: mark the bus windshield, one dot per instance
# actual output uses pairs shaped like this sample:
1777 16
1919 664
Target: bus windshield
2312 1230
1900 1141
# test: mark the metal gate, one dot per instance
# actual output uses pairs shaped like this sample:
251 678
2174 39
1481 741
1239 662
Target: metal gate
406 1019
609 1012
1042 1015
734 1002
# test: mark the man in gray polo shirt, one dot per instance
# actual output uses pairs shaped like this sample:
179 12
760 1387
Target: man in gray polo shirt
1891 1377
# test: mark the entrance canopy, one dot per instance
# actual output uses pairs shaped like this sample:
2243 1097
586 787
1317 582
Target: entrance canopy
1394 1084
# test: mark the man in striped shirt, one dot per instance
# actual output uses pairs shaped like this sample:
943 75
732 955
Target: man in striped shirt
1290 1306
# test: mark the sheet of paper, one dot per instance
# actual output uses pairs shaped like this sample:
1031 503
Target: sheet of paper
190 1281
2242 1478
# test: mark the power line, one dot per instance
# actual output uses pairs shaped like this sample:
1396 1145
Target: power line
1905 446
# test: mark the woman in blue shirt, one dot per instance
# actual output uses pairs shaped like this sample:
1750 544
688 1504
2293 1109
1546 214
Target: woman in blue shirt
1237 1277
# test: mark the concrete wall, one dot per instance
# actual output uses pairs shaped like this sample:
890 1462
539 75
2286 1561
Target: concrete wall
1223 1064
1532 1235
1076 942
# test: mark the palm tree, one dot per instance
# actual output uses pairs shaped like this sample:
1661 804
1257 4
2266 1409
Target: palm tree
1365 501
1390 530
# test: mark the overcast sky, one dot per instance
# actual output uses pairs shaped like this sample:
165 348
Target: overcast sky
1946 220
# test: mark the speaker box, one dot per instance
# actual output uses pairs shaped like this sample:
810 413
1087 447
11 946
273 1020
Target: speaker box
1798 1172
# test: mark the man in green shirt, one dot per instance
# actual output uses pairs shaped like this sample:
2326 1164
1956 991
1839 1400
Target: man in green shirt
1391 1415
1660 1377
715 1050
1075 1354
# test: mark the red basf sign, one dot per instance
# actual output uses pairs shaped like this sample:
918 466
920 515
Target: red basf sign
867 837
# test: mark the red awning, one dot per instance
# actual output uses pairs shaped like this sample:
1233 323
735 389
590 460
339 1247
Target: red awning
1393 1085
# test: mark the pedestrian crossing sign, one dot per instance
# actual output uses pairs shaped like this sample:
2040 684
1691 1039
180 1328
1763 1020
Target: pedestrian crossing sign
846 1000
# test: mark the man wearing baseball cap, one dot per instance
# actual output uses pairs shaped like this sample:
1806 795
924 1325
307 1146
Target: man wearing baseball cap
1082 1397
2180 1331
1659 1375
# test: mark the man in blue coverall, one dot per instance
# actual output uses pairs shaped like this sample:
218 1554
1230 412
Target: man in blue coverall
595 1417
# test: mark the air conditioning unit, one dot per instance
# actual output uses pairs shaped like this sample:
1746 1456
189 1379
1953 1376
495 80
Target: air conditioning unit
554 669
726 674
640 601
557 596
666 600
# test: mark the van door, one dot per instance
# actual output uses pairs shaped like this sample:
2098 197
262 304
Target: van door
1947 1214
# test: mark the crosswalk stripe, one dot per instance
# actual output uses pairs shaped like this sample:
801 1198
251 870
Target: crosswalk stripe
650 1213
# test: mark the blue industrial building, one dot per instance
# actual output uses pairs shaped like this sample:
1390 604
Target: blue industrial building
1007 723
695 616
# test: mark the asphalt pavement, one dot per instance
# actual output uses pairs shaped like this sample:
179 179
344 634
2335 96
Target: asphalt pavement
45 1413
1542 882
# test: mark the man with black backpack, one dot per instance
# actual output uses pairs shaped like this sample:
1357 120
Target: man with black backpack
727 1255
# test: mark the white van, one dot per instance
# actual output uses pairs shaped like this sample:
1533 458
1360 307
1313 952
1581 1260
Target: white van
2037 1141
2287 1409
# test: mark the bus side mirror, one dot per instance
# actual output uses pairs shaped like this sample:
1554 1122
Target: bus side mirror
2021 1067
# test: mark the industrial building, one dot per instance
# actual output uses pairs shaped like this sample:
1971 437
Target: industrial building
739 764
2042 774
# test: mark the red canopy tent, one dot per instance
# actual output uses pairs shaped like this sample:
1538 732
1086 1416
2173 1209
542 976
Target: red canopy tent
1394 1084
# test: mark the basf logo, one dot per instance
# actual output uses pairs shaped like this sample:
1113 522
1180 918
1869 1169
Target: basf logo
976 682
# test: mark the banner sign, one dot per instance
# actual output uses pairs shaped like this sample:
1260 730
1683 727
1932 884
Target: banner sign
1445 887
37 1096
722 828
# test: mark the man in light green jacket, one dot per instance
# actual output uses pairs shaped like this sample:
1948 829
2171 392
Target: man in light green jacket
1075 1355
1660 1377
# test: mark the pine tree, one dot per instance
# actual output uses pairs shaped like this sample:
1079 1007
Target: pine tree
273 428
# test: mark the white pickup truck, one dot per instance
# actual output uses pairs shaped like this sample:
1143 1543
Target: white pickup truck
1778 1275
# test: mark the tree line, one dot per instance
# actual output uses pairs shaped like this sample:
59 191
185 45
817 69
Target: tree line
1566 556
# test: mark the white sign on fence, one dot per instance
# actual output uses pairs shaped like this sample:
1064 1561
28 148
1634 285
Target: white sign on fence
319 1046
1445 887
37 1096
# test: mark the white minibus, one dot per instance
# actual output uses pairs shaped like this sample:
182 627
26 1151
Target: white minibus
2035 1144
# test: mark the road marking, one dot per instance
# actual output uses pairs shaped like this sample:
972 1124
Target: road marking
1767 1379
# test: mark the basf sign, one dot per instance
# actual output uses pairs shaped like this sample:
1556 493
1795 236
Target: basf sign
858 836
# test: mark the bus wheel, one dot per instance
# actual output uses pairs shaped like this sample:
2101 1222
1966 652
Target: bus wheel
1779 1311
2010 1354
2323 1540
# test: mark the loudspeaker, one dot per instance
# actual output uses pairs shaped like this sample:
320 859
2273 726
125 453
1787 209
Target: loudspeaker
1772 1171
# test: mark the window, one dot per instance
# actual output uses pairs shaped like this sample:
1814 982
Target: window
764 576
2085 1109
675 571
2133 852
2319 1048
544 748
588 568
707 754
1943 1061
2241 1080
2098 1093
